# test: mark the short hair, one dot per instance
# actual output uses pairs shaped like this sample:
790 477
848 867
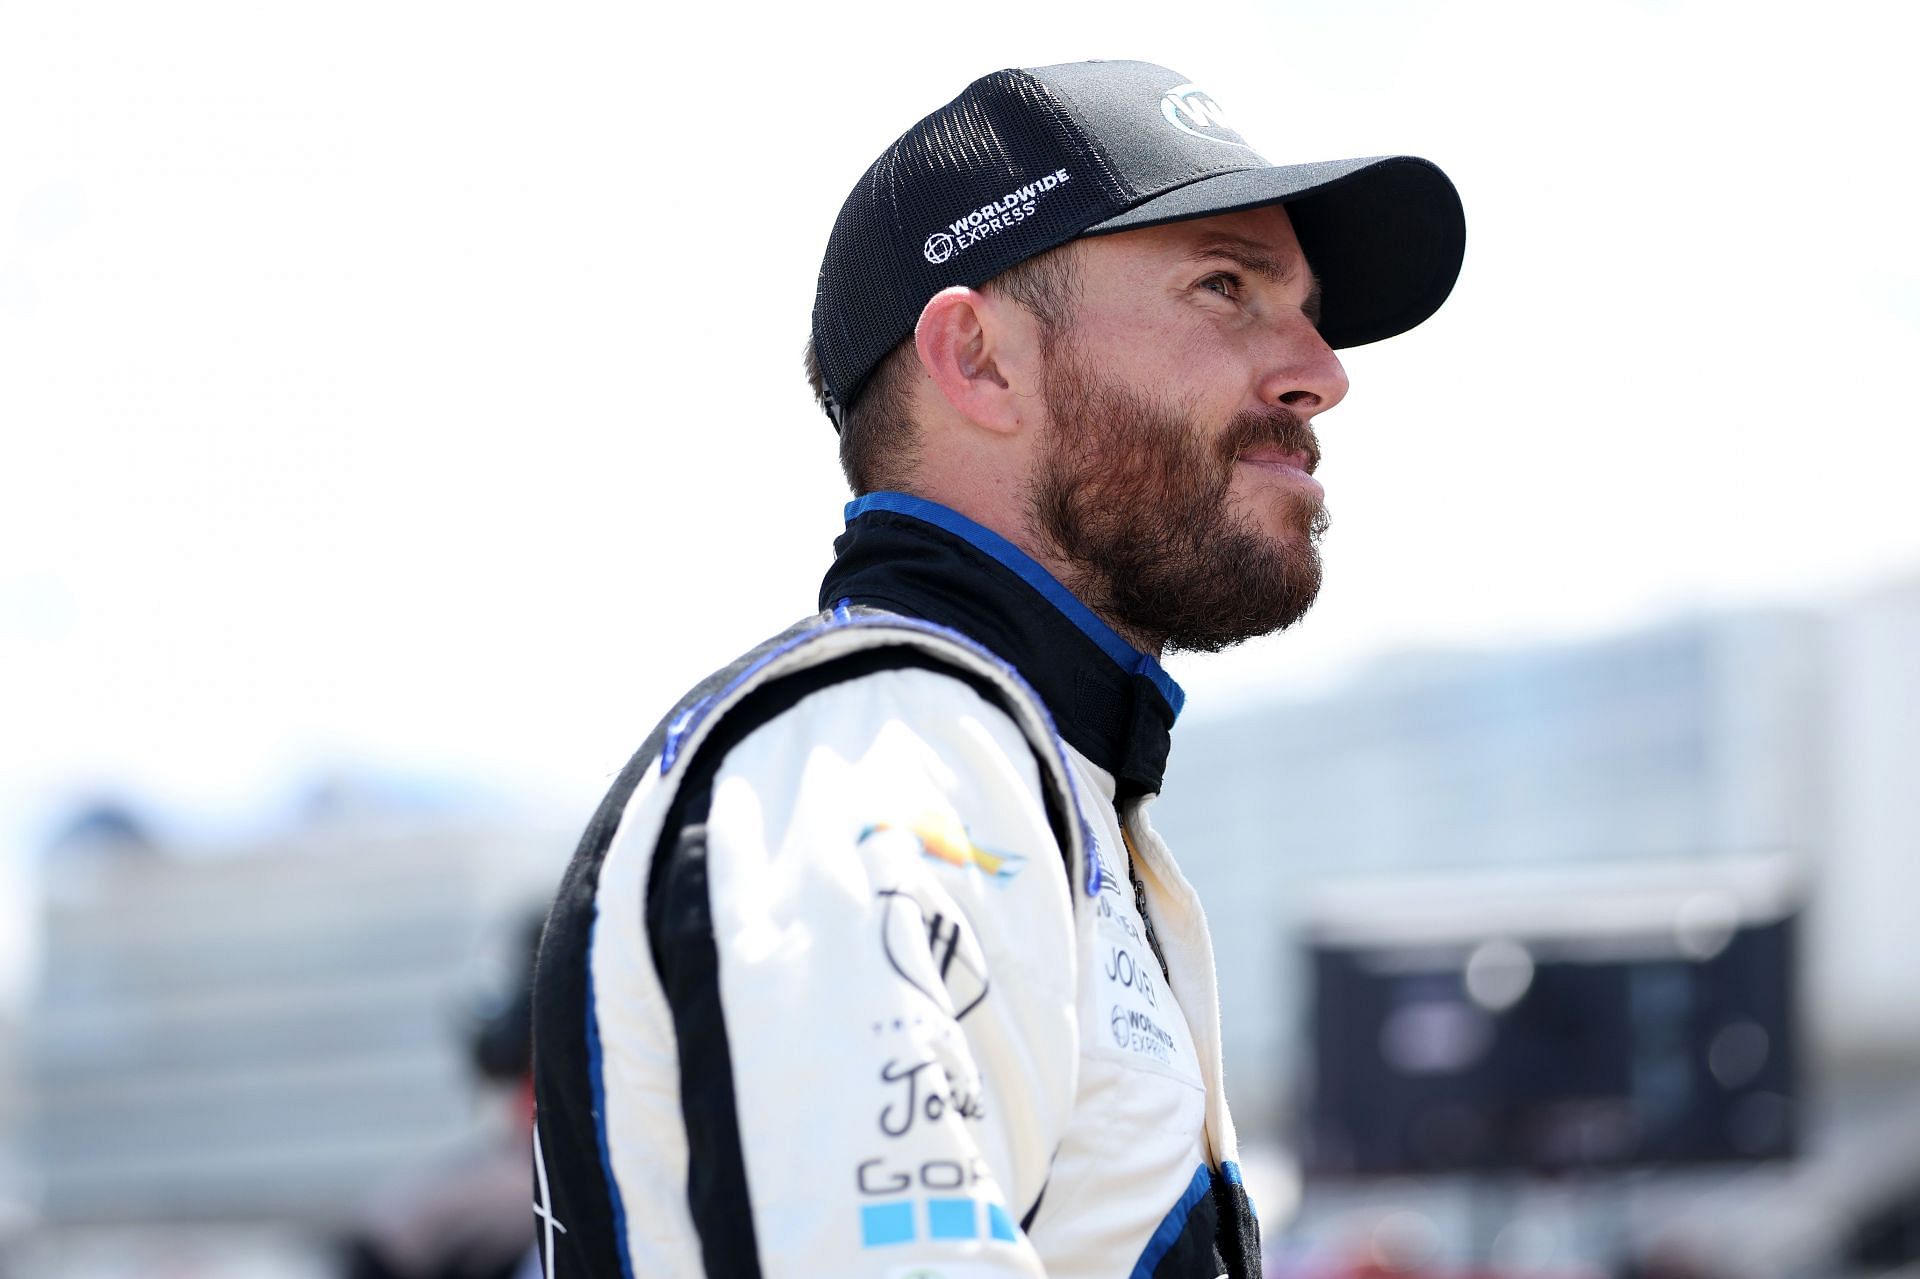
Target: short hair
879 440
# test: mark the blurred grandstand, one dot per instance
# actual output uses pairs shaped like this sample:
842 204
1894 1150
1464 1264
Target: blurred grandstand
232 1050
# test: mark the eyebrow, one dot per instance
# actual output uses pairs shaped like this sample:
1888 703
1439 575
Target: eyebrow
1255 259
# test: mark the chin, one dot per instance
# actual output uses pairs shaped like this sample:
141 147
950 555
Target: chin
1287 524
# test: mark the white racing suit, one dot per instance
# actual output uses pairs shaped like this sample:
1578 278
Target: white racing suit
850 976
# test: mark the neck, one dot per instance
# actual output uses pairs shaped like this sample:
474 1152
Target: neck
1007 510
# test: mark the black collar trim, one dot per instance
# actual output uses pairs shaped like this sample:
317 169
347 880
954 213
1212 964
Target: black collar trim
1119 718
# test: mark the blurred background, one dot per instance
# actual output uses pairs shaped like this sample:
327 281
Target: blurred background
401 403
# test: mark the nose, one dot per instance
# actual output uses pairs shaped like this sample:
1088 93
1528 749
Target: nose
1302 371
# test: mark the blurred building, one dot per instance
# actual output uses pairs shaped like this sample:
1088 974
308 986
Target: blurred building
15 1213
1692 742
267 1033
1688 753
1868 948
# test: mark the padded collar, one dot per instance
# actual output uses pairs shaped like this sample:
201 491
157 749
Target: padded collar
1111 702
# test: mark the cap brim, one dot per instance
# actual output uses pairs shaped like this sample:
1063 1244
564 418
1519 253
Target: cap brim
1384 234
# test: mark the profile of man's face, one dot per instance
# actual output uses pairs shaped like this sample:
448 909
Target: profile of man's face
1137 500
1143 485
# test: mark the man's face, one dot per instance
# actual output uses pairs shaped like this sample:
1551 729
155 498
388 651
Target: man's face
1175 471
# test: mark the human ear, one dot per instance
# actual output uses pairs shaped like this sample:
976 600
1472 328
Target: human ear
968 344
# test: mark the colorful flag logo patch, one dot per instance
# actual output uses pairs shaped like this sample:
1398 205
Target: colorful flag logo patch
945 840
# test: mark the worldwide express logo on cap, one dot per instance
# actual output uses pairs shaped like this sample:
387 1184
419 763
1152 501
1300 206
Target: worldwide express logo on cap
1192 110
975 225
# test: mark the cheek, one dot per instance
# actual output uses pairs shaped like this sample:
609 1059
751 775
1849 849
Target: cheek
1186 366
1148 339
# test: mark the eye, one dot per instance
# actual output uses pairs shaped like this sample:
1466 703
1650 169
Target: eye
1225 283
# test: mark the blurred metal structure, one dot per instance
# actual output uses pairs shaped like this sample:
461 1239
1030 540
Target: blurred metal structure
266 1033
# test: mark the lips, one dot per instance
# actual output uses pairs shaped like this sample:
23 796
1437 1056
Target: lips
1302 461
1279 438
1294 469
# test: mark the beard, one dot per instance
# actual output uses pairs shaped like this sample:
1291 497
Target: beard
1134 502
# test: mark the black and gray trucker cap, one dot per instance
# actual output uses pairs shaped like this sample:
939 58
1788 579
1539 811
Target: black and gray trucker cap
1024 160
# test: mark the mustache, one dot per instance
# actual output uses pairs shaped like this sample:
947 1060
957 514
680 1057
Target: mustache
1279 427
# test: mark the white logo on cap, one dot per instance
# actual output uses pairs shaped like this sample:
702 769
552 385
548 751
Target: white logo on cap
1002 213
1192 110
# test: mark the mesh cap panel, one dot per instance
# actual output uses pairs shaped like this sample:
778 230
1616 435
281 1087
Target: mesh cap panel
993 178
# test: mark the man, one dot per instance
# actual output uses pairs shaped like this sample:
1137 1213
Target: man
871 962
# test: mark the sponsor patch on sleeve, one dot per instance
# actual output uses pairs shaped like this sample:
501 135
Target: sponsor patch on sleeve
942 839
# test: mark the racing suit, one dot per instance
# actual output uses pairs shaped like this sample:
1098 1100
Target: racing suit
871 964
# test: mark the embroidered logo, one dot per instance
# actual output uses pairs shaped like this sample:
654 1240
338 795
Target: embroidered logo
1192 110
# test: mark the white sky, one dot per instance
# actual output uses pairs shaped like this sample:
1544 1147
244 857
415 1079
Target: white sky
420 382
